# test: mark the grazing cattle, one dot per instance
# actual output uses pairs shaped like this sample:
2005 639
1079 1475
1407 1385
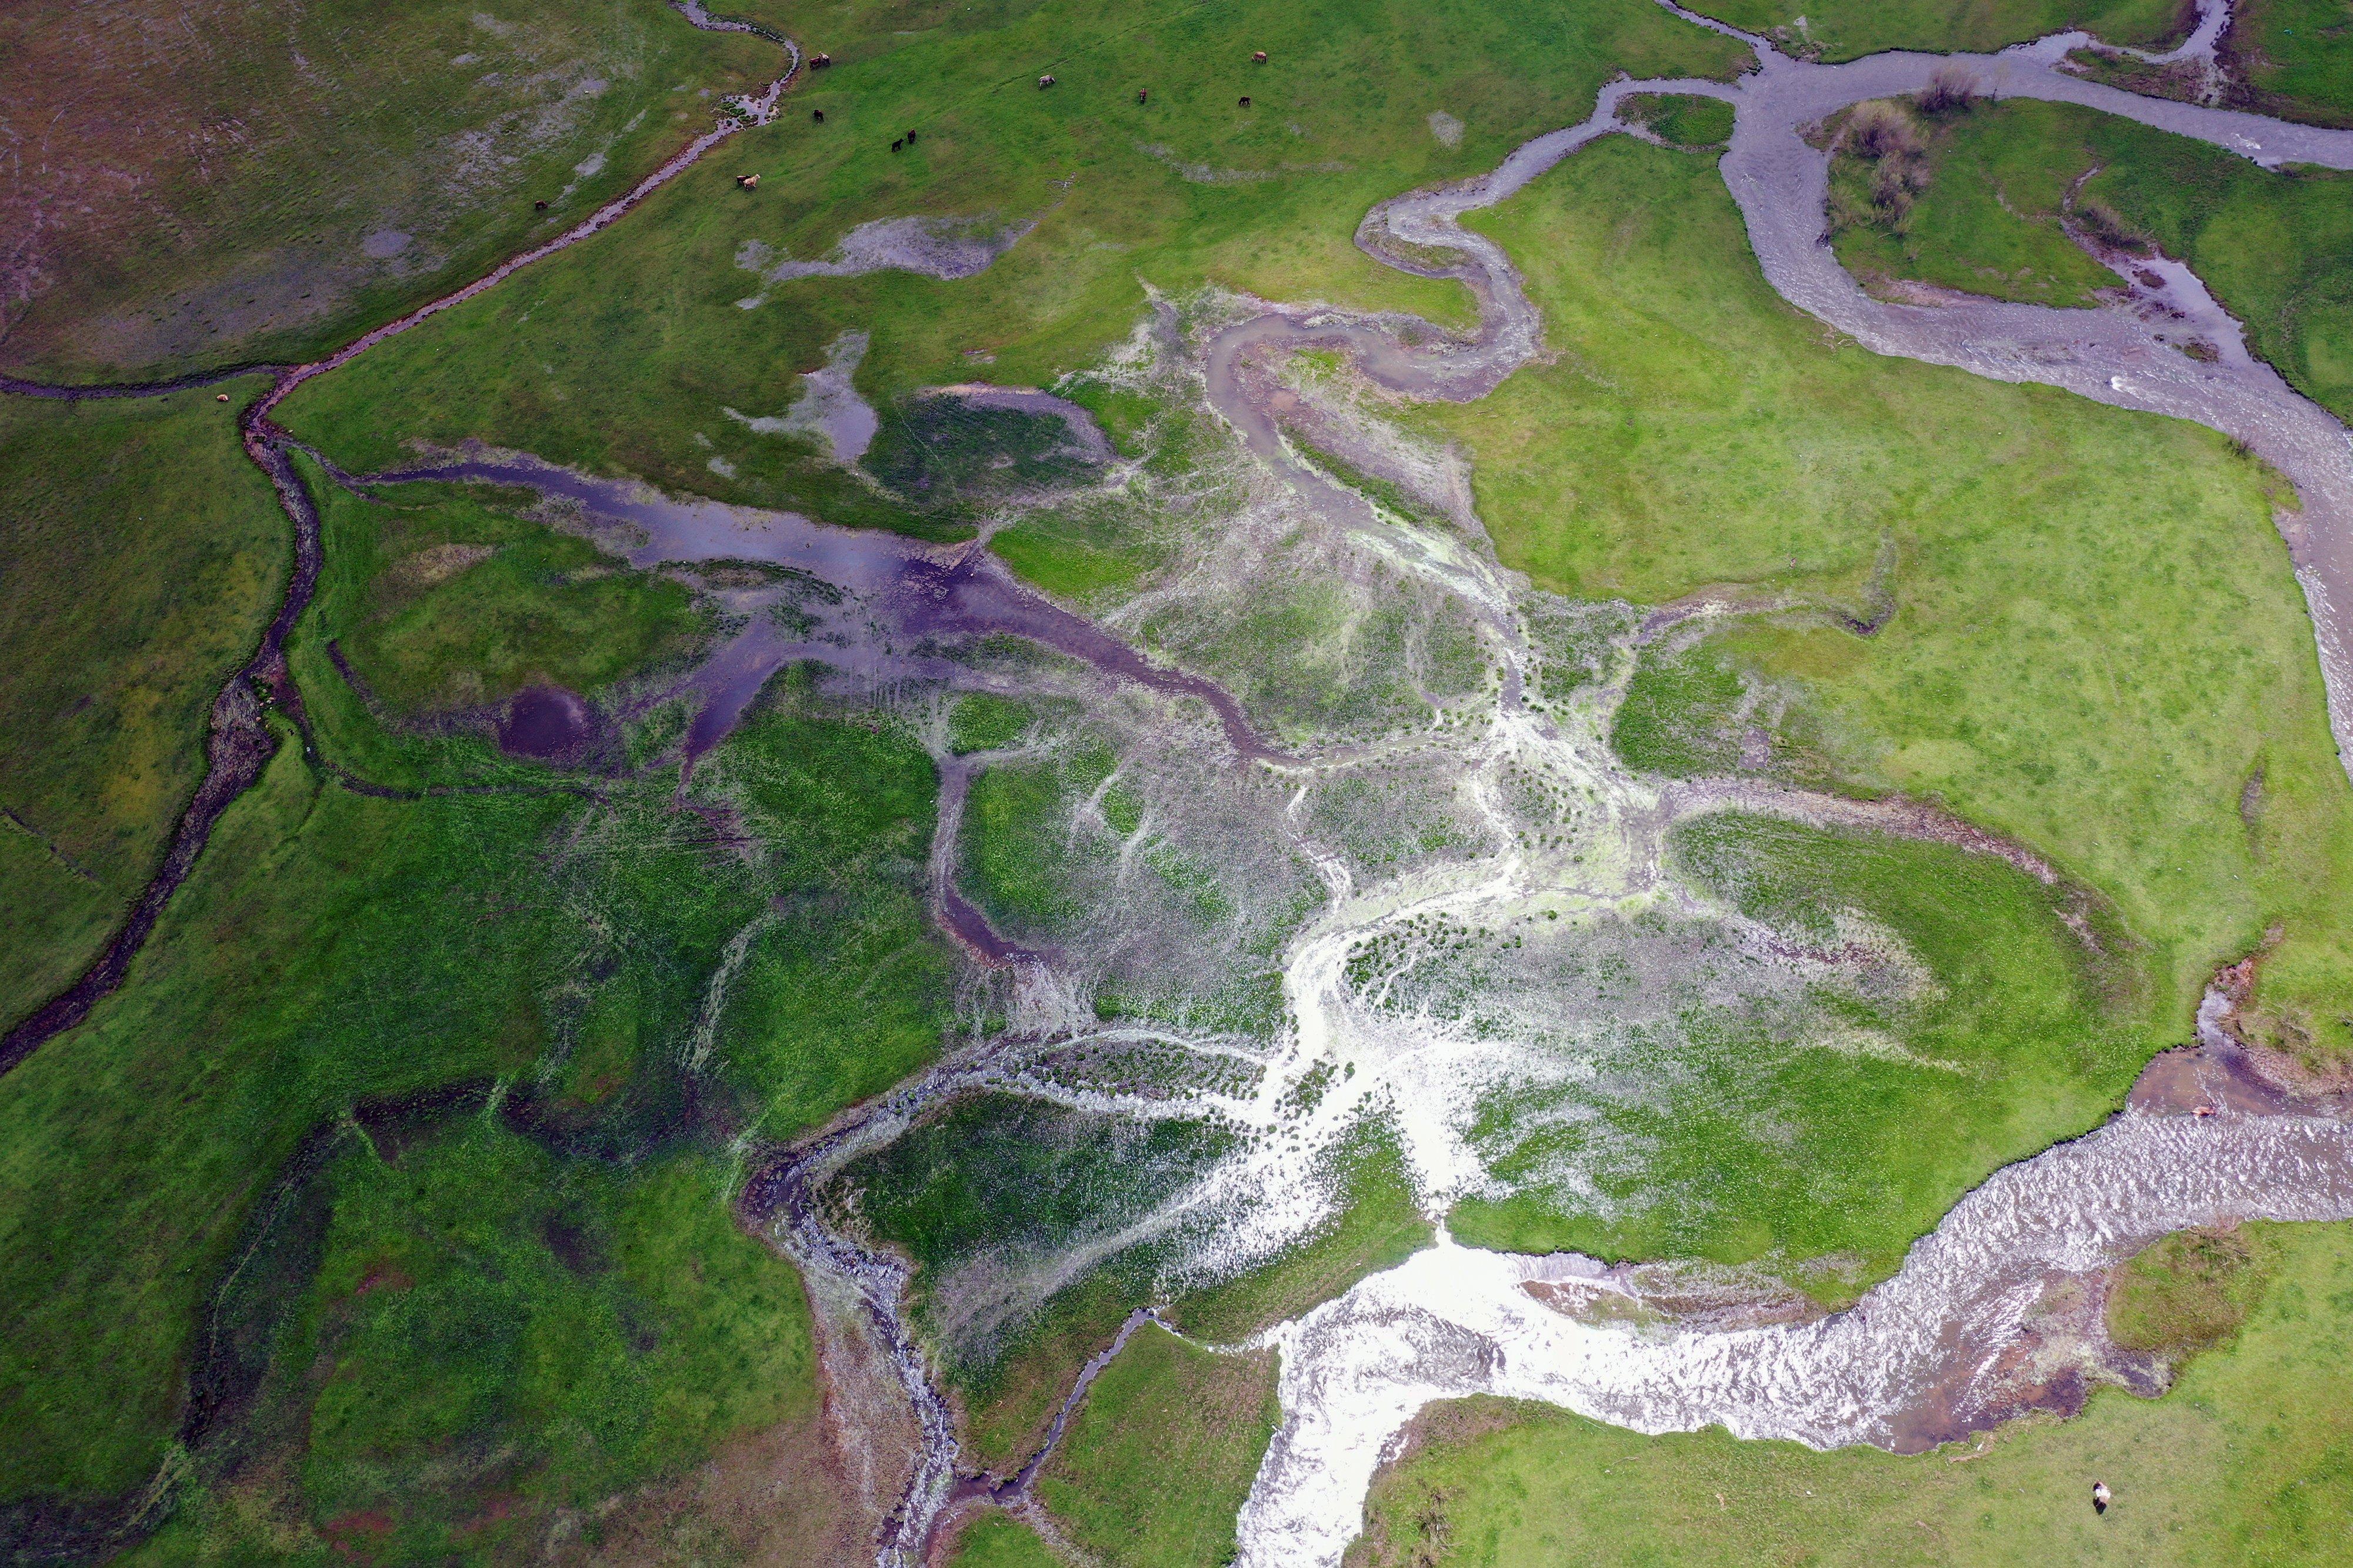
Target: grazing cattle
539 206
1045 81
1259 58
896 146
220 398
1245 100
2099 1496
817 115
911 139
819 60
1142 93
749 182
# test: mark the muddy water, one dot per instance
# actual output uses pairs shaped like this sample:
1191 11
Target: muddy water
2133 356
897 599
1969 1331
1923 1356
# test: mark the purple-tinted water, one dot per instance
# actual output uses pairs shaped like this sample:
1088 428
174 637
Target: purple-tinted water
900 599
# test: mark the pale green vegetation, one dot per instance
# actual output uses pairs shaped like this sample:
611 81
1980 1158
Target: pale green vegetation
2097 647
143 554
1160 1457
266 181
623 380
2244 1462
1844 29
1993 184
1770 1148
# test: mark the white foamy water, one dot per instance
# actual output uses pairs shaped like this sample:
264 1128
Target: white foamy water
1456 1320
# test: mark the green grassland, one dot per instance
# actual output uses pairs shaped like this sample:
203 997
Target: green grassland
2245 1461
144 554
1845 29
2274 246
1683 120
2097 647
993 1541
1769 1149
272 180
494 1335
442 599
332 946
613 379
2291 58
1161 1455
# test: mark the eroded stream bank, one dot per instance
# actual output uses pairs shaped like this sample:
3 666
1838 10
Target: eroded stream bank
238 743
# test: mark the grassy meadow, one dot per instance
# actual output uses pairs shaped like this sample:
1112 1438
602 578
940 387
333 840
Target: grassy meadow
2291 58
1161 1454
625 379
2274 246
2243 1462
144 554
333 948
276 179
1846 29
1847 1138
2097 647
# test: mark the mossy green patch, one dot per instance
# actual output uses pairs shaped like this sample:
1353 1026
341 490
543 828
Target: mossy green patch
1680 118
440 599
994 1541
2245 1461
2190 1289
981 721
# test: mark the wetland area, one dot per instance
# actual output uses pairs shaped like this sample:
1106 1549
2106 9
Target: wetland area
1142 963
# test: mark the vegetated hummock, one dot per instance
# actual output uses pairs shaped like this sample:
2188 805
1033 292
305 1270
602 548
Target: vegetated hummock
264 182
1992 188
2242 1461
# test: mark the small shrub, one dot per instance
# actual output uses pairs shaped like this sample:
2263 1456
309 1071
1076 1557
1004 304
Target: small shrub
1952 90
1879 129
